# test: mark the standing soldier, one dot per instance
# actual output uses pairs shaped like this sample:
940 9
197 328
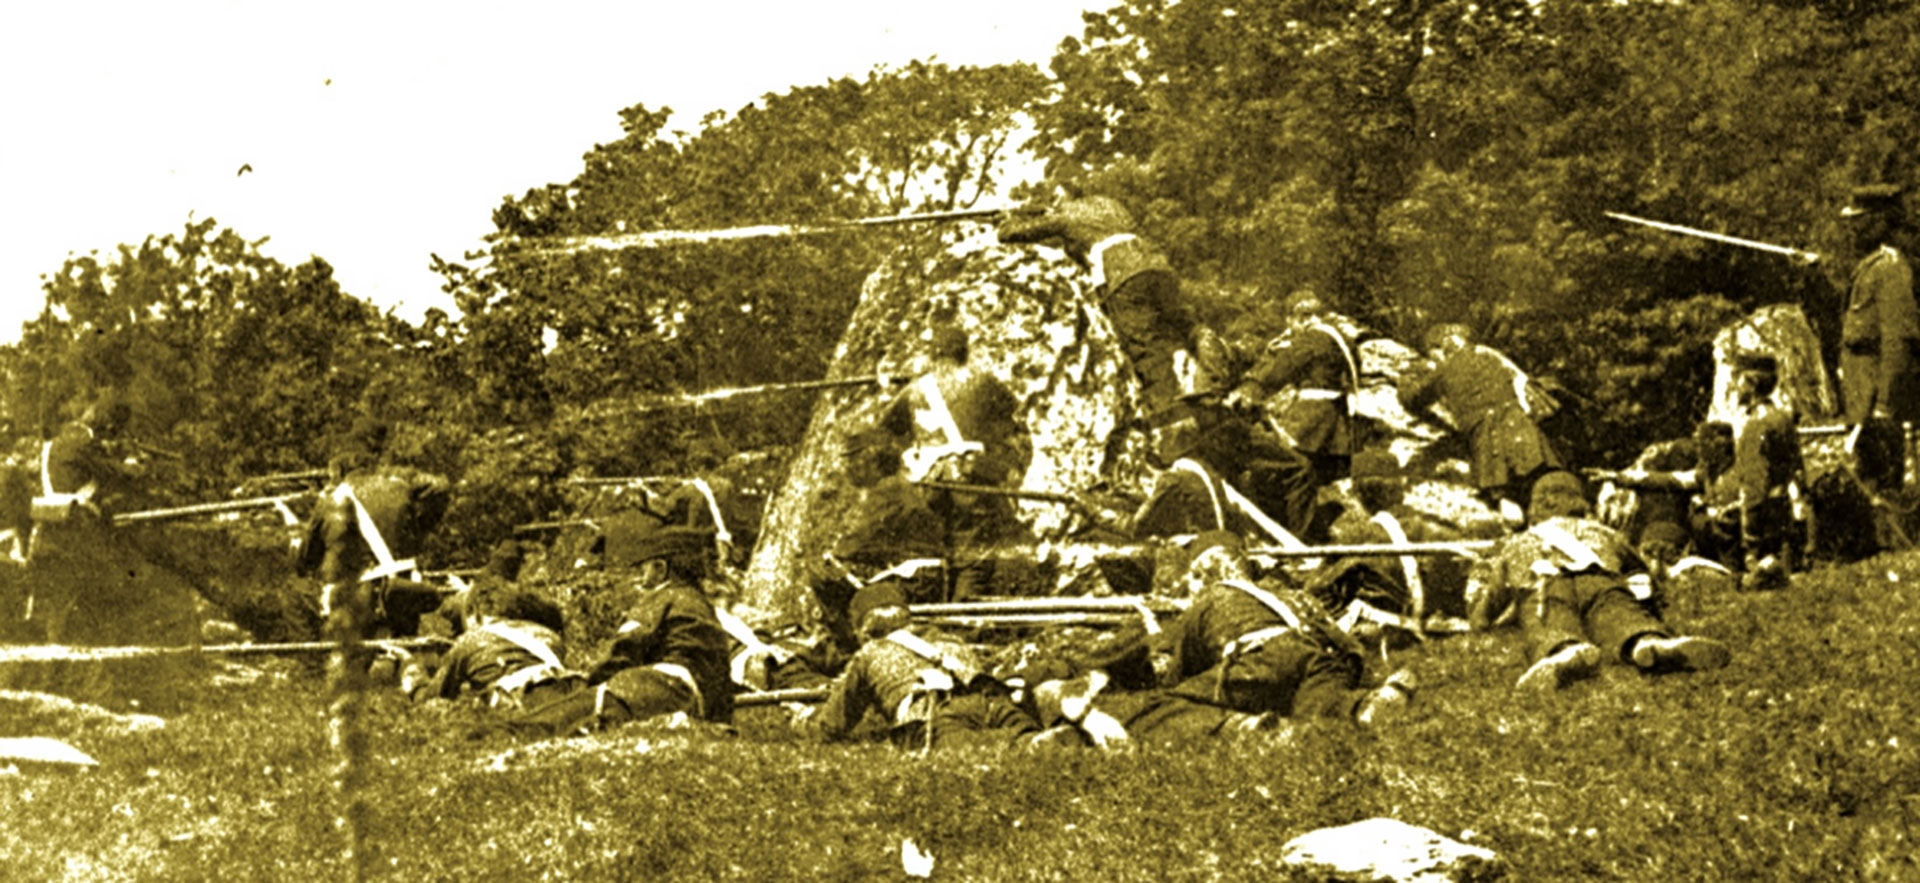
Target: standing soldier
1488 399
81 482
1880 338
366 530
1172 354
1311 374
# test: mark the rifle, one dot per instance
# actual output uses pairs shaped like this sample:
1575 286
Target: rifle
215 508
1147 548
669 401
562 524
988 490
303 475
662 238
1757 245
1686 481
12 653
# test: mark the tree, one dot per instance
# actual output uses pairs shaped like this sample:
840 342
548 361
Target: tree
1449 161
231 360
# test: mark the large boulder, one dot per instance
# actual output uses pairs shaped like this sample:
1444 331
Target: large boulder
1033 324
1781 331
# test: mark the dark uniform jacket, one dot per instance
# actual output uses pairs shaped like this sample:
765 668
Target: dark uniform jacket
75 459
1312 365
982 409
482 656
1476 386
675 624
404 504
1880 339
1142 296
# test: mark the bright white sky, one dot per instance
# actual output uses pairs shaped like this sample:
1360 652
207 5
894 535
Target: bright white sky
380 132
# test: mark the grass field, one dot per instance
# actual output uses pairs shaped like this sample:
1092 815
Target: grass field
1800 761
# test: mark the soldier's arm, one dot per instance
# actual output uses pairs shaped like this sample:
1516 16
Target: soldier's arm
1892 284
1422 395
848 699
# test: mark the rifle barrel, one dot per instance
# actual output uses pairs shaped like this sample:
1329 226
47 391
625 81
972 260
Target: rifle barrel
670 401
215 508
662 238
536 526
750 699
1698 233
997 491
989 606
13 653
1464 548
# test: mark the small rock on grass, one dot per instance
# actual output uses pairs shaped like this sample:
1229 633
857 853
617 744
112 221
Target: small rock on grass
43 751
1388 849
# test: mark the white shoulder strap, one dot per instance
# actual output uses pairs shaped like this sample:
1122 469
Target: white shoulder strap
84 494
370 532
1272 602
926 650
1193 468
720 532
1416 590
1580 555
524 640
1346 350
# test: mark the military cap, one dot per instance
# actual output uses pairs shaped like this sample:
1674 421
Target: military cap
948 341
1304 300
505 559
873 597
1439 334
1375 464
1869 198
1665 534
1557 493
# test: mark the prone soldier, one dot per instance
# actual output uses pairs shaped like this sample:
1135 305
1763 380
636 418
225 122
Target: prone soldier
1580 593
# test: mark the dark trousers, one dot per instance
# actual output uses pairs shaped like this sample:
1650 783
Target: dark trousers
986 718
1286 675
1596 608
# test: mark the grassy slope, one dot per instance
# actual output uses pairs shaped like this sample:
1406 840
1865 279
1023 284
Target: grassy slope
1800 761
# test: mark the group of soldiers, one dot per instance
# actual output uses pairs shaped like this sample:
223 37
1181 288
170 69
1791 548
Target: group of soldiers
1273 456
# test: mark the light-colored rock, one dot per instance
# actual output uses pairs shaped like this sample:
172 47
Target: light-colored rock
1032 324
43 750
1780 330
47 710
1388 849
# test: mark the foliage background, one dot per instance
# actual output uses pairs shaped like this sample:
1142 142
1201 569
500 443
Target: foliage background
1416 162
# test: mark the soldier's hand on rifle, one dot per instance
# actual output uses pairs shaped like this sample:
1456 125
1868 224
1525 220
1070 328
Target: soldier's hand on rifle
1245 397
1075 225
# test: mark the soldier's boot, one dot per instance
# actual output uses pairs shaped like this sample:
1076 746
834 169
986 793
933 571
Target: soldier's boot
1062 736
1069 700
1390 700
1685 653
1571 662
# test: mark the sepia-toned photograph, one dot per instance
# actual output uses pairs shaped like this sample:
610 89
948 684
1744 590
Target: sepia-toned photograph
1104 440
